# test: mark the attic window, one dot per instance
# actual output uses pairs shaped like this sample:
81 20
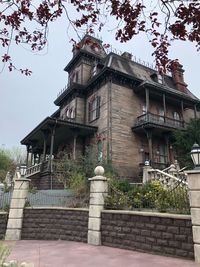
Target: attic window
158 78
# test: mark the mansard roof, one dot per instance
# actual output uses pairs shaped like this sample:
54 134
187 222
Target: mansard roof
144 74
90 47
123 67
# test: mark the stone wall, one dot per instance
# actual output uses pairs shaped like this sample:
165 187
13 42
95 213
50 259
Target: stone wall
3 223
150 232
55 223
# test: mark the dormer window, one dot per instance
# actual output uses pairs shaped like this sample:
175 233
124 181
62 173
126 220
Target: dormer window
160 78
156 77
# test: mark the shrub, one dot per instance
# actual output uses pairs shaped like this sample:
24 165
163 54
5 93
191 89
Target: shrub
4 252
151 195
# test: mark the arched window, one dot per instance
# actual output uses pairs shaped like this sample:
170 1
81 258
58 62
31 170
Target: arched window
177 116
67 112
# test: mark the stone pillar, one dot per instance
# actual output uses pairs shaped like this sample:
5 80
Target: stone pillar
194 195
146 177
98 192
172 170
17 204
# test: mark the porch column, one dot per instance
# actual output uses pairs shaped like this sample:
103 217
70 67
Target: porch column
149 137
164 106
45 136
51 148
195 111
31 156
27 155
182 110
167 146
147 99
74 147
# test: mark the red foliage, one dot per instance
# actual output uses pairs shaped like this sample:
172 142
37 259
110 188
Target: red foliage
132 17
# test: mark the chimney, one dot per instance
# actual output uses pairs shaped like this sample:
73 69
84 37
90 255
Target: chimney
177 74
127 55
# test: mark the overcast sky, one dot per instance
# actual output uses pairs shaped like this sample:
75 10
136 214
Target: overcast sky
26 101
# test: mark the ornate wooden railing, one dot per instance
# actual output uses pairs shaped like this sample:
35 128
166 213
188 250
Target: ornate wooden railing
159 120
33 170
42 167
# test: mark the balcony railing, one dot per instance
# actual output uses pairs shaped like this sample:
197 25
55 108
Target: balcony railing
159 120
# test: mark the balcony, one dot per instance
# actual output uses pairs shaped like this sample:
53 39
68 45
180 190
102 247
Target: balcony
150 120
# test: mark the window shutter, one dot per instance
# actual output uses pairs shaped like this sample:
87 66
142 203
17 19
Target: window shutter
98 107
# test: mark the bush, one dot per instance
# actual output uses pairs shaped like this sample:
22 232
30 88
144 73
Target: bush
4 252
151 195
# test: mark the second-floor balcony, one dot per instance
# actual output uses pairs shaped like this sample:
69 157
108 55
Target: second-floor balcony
157 121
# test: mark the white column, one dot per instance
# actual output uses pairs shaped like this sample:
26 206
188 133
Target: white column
194 195
98 192
19 195
146 177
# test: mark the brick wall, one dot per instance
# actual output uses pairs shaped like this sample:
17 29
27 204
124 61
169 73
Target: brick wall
150 232
55 223
3 223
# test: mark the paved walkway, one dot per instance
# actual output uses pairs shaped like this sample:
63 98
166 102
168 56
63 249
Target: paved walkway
73 254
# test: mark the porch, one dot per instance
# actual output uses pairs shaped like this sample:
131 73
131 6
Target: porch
50 141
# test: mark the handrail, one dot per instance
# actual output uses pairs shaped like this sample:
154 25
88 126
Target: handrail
33 169
159 119
168 175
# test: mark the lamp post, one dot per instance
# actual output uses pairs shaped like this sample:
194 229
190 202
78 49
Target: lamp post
193 178
23 170
195 155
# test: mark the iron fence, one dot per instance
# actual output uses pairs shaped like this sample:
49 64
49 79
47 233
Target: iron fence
5 199
59 198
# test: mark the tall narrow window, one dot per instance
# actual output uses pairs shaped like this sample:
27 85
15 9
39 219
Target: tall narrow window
161 115
144 109
177 119
94 109
100 151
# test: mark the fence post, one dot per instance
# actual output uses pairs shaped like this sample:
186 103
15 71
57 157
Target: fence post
193 178
98 192
15 217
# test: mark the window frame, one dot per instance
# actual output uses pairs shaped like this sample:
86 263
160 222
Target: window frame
94 108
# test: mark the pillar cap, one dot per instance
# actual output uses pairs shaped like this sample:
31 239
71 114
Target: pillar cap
99 171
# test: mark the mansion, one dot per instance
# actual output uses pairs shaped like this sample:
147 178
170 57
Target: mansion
125 109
